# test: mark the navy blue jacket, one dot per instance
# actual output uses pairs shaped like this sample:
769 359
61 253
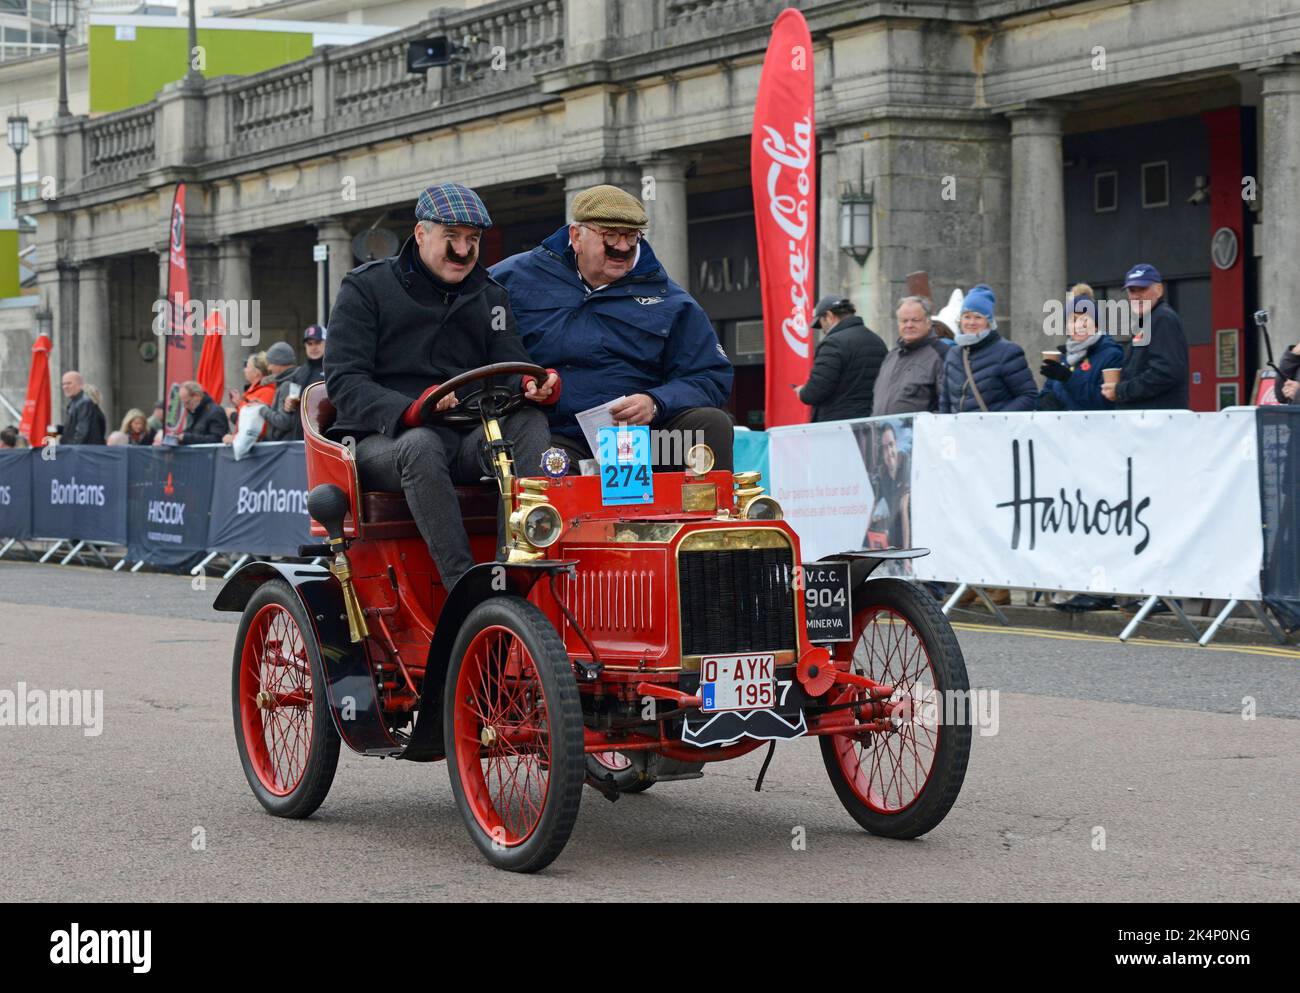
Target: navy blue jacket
1082 391
1155 374
640 334
1000 372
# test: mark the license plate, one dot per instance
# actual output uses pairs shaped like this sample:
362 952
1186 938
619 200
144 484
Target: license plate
738 682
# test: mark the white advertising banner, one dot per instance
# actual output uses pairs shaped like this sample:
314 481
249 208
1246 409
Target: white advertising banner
844 484
1136 502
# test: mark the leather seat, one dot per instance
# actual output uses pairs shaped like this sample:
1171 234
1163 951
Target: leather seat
478 508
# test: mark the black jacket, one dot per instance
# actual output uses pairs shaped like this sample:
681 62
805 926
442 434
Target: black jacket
207 425
1289 366
84 423
1154 376
395 331
845 367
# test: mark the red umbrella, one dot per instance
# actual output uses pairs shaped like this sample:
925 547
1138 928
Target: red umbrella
36 411
212 372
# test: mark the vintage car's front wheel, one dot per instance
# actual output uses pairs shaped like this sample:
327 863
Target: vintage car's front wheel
514 738
902 783
284 731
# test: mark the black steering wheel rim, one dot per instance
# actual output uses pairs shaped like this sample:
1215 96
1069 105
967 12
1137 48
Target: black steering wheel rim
504 399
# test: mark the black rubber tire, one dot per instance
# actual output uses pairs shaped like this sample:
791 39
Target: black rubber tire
564 710
323 756
953 753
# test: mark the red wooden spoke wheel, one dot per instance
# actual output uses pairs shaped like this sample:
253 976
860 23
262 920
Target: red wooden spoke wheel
902 782
287 741
514 734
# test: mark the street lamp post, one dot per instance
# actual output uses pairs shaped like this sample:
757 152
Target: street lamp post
855 225
19 137
63 15
192 76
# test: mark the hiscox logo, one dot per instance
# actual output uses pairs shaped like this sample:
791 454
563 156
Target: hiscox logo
99 947
238 318
271 499
167 511
79 495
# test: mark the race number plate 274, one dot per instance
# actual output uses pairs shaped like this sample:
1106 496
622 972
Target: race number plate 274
737 682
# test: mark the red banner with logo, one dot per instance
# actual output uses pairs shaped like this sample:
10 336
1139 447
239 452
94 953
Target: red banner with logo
783 172
179 361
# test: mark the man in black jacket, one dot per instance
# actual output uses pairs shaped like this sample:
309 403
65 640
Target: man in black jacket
84 422
400 327
1154 376
845 365
1288 389
206 422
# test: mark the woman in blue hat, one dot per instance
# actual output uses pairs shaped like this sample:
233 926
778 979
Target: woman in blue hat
1073 382
985 371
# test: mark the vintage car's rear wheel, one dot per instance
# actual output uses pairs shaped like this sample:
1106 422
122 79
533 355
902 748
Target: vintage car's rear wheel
514 737
287 741
902 783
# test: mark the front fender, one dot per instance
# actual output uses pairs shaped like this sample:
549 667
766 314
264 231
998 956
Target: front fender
485 580
349 681
863 562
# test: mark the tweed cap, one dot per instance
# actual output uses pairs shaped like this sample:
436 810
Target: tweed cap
452 203
610 207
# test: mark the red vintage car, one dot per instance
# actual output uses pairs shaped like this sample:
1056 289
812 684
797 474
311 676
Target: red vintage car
612 646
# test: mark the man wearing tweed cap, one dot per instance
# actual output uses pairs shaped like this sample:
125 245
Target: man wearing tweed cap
403 325
594 303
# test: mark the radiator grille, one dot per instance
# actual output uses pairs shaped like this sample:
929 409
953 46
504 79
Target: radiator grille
736 601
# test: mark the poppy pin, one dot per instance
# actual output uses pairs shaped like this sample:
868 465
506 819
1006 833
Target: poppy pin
1085 365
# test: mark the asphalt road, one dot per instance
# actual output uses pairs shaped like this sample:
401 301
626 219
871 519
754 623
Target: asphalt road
1145 741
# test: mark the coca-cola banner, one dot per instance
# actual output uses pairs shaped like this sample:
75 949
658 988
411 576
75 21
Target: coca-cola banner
784 178
79 492
170 488
16 493
259 504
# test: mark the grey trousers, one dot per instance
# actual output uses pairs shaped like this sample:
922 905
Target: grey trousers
427 463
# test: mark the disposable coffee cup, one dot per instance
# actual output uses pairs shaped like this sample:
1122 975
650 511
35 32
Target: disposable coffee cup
1110 376
295 390
1051 356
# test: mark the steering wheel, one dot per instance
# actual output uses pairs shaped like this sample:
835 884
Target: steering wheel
495 401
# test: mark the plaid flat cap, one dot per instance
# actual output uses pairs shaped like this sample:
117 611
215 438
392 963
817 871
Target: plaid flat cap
609 206
452 203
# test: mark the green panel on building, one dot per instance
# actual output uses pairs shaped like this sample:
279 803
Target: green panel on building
128 73
8 259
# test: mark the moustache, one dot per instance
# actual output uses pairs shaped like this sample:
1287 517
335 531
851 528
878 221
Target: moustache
468 257
619 254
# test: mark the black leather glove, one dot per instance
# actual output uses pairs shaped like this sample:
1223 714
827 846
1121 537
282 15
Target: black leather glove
1055 370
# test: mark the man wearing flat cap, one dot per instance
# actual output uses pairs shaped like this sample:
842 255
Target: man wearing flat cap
595 304
402 326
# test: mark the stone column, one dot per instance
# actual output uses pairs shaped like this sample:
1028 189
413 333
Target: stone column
95 344
1279 188
663 192
1037 223
235 282
830 278
335 234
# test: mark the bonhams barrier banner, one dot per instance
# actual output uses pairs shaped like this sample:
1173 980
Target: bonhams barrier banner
167 516
1279 486
79 492
16 493
259 504
1140 502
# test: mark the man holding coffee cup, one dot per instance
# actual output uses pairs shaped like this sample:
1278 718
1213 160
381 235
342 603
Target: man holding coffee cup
1154 375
